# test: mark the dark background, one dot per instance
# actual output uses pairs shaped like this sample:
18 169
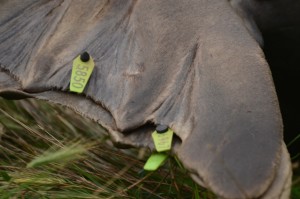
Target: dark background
282 50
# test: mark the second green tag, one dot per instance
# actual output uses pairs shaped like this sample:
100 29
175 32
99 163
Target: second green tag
163 141
155 161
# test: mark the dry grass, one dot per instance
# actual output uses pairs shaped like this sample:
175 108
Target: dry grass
49 152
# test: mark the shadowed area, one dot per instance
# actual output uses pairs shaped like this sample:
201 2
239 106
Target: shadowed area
279 23
282 49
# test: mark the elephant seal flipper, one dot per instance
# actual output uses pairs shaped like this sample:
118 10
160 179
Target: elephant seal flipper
281 187
191 65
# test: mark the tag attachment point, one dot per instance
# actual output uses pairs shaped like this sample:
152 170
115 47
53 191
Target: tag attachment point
85 57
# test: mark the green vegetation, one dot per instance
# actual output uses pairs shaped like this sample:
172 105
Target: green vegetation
47 151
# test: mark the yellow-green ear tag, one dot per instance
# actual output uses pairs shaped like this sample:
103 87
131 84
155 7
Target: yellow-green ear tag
162 138
155 161
82 69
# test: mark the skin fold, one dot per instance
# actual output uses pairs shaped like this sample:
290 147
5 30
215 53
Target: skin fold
194 65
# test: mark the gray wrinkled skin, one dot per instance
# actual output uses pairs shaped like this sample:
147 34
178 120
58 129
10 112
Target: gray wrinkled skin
195 65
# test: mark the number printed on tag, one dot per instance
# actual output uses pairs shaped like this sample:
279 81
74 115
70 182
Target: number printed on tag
81 72
163 141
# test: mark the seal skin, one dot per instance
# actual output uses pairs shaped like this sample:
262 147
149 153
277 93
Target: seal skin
194 65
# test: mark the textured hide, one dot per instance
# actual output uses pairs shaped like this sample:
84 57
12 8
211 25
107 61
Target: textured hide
195 65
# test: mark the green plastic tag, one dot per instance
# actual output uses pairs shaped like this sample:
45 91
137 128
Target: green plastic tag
163 141
155 161
81 72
